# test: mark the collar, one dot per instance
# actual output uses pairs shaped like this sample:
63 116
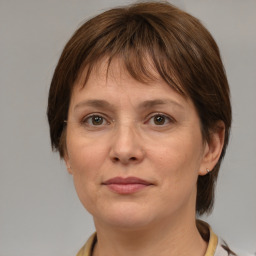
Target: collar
87 249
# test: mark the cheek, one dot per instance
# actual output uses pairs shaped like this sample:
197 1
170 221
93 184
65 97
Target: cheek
85 155
86 159
177 159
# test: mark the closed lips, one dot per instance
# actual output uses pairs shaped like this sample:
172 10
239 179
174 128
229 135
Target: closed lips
126 186
128 180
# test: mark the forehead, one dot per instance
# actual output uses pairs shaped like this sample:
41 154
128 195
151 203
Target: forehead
104 75
113 83
106 70
116 69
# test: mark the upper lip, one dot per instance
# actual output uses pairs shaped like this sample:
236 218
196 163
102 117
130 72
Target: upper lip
128 180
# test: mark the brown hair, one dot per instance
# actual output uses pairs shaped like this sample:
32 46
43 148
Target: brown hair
182 51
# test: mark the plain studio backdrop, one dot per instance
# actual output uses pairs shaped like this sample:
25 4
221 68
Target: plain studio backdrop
40 213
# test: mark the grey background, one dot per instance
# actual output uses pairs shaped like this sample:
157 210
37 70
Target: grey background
39 210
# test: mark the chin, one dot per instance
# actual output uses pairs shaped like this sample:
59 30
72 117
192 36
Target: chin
125 217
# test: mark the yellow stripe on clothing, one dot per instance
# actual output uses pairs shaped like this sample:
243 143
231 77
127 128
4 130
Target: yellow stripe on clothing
86 250
212 245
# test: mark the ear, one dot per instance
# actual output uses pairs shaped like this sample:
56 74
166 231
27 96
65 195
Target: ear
213 149
67 162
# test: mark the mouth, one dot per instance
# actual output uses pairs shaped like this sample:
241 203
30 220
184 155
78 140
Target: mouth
127 185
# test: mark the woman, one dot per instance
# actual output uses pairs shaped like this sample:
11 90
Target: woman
139 109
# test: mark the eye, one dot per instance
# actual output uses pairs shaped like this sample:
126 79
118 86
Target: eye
160 120
95 120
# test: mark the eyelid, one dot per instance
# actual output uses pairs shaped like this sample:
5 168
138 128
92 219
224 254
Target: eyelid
160 114
85 118
108 120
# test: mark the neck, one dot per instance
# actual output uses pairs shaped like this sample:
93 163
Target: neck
160 239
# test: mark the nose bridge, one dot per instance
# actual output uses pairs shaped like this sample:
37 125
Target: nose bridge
126 134
127 142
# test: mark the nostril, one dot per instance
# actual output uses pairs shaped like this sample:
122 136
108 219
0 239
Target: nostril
133 158
115 159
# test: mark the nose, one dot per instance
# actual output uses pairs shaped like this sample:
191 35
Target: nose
127 146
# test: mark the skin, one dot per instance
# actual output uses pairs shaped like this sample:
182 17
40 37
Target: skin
158 219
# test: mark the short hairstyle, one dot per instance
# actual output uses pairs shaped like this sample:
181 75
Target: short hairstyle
182 52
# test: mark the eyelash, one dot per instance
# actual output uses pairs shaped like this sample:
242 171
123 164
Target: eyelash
84 121
167 118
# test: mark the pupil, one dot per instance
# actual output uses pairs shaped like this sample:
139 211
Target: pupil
97 120
159 120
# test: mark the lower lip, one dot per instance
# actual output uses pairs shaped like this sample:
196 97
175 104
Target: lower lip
126 188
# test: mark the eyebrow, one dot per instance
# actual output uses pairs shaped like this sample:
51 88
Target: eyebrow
94 103
152 103
103 104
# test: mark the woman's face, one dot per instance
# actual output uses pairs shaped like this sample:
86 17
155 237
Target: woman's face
135 150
